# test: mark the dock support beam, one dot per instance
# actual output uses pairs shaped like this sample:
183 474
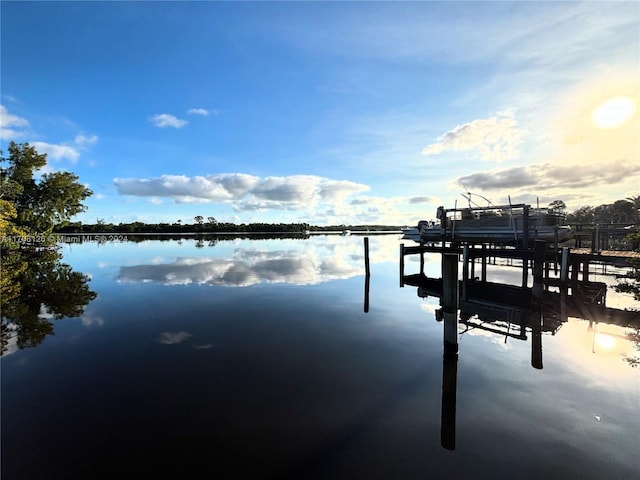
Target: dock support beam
564 265
401 265
367 275
538 267
450 302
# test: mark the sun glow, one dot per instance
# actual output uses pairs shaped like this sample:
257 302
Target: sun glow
613 112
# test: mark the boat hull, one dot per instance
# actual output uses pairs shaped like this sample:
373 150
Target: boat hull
503 235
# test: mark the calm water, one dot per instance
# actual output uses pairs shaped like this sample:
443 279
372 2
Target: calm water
256 357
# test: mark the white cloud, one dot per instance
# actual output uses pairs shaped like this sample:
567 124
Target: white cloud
198 111
85 141
167 120
57 152
495 138
243 191
11 125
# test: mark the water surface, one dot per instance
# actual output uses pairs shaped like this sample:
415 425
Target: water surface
256 357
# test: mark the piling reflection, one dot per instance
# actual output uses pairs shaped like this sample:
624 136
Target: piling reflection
515 312
36 288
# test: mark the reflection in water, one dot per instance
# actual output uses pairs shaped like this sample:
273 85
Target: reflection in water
511 312
37 287
246 267
282 381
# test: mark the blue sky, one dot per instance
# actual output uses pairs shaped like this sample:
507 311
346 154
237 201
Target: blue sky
325 112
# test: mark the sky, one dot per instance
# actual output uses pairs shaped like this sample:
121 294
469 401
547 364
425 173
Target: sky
325 112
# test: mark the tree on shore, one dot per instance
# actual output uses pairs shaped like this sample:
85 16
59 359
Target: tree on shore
31 206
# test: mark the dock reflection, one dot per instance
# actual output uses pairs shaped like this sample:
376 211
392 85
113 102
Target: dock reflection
515 312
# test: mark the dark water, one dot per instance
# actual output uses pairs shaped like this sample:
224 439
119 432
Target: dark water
255 357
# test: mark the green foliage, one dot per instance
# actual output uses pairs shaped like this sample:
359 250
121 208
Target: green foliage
631 281
35 288
39 205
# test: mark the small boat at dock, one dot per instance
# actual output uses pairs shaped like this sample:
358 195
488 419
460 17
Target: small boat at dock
413 233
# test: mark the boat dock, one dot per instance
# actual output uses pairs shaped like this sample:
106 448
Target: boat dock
571 263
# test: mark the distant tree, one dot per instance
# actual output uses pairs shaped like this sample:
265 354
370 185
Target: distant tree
558 206
198 219
212 221
582 215
622 211
179 222
635 201
40 206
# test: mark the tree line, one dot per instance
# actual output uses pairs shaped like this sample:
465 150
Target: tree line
626 210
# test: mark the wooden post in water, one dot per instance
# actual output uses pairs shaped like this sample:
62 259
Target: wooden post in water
525 228
465 270
367 274
401 265
564 266
450 302
538 265
484 263
525 269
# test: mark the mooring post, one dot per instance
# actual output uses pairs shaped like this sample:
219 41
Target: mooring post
564 265
465 270
367 274
525 269
401 265
538 264
525 227
450 302
484 263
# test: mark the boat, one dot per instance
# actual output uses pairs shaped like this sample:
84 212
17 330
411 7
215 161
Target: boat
500 224
414 233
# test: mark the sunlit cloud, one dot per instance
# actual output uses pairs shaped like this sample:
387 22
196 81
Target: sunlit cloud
11 126
244 192
163 120
495 139
57 151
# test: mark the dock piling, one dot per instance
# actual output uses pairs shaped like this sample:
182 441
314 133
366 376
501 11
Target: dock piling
450 302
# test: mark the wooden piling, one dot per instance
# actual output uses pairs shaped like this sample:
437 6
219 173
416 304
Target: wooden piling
450 302
564 265
366 256
484 264
367 275
538 265
465 270
401 265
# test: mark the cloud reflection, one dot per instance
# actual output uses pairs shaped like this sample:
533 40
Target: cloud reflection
250 267
171 338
